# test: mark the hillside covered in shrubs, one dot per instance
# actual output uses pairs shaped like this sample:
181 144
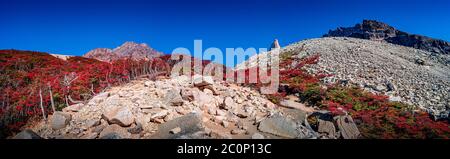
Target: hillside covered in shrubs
375 116
35 84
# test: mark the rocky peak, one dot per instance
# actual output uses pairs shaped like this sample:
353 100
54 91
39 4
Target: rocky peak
132 45
375 30
127 50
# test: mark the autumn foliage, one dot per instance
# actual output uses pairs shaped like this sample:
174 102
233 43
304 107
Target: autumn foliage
23 74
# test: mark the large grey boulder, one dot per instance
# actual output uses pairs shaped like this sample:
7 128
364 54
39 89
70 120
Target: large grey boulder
279 125
173 98
114 132
60 120
327 127
188 124
347 127
120 115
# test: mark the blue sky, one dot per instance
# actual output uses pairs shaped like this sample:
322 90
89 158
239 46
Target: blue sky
77 26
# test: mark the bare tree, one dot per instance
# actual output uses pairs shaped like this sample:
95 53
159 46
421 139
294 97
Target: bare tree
68 79
73 101
51 97
41 104
92 89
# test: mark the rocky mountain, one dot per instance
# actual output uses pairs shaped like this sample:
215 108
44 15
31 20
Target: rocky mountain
414 76
374 30
130 50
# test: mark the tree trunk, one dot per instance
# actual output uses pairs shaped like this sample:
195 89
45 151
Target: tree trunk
92 89
51 98
67 101
42 106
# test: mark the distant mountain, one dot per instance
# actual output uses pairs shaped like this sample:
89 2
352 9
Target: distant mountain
130 50
374 30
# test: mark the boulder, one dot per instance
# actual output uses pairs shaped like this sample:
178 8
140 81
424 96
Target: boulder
92 122
120 115
27 134
327 127
189 124
208 91
59 120
173 98
200 81
279 125
210 88
203 98
136 129
296 115
295 105
73 108
159 115
347 127
187 94
228 103
114 131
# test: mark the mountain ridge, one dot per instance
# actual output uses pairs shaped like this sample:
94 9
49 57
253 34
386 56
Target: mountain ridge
379 31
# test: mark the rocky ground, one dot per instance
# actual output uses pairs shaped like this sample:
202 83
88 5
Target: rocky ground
183 108
413 76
